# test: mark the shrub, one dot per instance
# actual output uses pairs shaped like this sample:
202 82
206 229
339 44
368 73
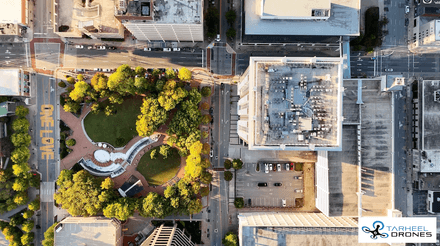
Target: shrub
153 154
227 164
62 84
237 164
21 111
71 142
205 134
206 119
80 77
230 239
28 214
71 80
206 91
34 205
239 202
230 33
204 191
228 175
205 106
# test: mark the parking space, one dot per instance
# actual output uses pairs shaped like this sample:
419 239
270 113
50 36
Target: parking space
268 194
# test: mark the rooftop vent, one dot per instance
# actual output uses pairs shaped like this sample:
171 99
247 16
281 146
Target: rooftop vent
437 96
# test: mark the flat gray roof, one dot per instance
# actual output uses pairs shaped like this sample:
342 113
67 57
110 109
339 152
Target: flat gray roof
343 20
320 236
91 231
431 115
10 82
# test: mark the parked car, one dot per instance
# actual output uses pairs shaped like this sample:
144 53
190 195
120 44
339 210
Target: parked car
211 153
78 46
262 184
266 168
97 69
101 47
406 9
279 167
167 49
284 202
90 47
297 177
176 49
249 202
211 111
292 166
270 167
287 167
112 47
406 21
277 184
147 49
106 70
80 70
218 38
388 69
298 190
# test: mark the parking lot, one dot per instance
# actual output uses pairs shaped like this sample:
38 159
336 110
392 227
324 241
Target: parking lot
270 196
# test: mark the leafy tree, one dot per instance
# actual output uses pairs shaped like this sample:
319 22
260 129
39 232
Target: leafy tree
27 238
205 163
196 148
206 148
231 33
230 17
237 164
80 196
193 168
185 74
20 125
16 220
49 235
228 176
12 234
239 202
80 77
107 184
140 82
95 108
34 205
21 111
109 110
71 80
28 225
194 206
20 184
205 106
71 142
171 95
121 209
21 198
164 151
153 205
122 81
80 90
28 214
230 239
227 164
21 139
193 137
99 82
20 155
206 119
151 118
205 134
140 71
5 175
64 177
34 181
71 106
170 73
186 120
206 178
195 96
206 91
62 84
153 154
212 20
171 141
116 98
204 191
20 168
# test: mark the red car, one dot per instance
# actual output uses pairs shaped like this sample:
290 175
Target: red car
292 166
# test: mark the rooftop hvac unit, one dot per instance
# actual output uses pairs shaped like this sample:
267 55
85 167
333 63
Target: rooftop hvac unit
427 1
122 4
437 96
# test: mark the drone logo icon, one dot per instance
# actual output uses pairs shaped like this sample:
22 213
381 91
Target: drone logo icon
377 225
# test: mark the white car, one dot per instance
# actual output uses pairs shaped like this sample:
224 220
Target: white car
211 154
406 9
266 168
287 167
279 167
101 47
79 46
106 70
176 49
270 166
284 203
97 69
298 190
167 49
218 38
147 49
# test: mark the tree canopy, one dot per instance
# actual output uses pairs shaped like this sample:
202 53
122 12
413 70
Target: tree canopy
99 82
230 239
152 116
79 91
184 74
20 125
21 111
122 81
121 209
171 95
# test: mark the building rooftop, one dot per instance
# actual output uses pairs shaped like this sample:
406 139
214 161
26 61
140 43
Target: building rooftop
131 187
291 236
294 9
435 201
162 11
12 11
294 103
261 15
431 114
93 231
10 82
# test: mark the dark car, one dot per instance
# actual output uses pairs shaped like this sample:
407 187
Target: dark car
277 184
262 184
249 202
222 86
406 22
211 111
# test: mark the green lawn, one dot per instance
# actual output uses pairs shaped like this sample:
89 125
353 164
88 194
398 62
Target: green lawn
101 128
159 170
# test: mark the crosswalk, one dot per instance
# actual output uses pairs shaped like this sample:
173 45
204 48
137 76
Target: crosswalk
47 190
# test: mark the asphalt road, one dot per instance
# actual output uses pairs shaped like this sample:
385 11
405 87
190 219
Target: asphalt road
47 148
90 59
218 209
396 26
220 134
42 20
14 55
